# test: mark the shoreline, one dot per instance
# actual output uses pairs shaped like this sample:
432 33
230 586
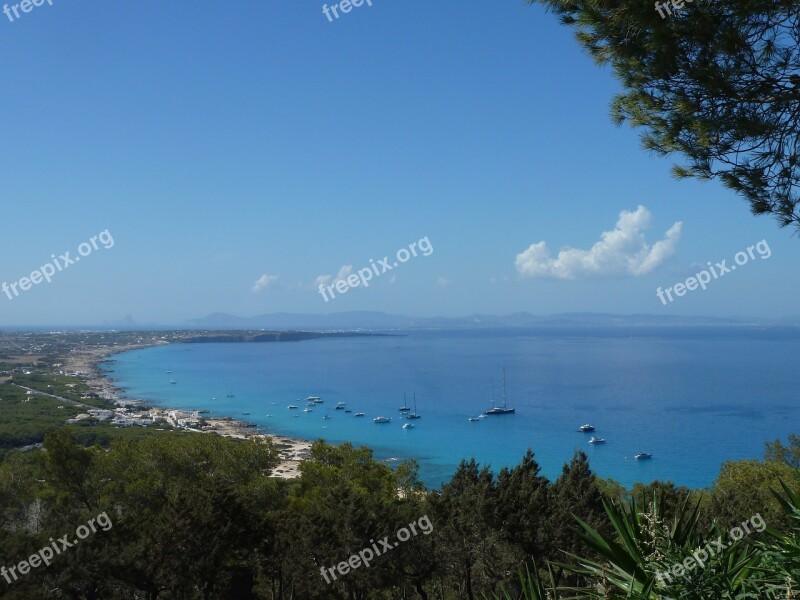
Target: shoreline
137 412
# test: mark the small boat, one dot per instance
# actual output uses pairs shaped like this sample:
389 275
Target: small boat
414 415
231 395
169 372
172 381
643 456
306 410
292 406
314 399
500 410
359 414
245 413
473 419
347 410
597 440
326 417
381 420
214 398
586 428
340 406
405 408
408 426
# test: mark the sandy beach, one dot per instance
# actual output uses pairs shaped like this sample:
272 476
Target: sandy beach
132 411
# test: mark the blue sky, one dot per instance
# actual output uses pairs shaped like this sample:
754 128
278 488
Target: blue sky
222 142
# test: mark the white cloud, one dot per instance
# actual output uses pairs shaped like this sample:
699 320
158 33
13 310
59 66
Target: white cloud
621 251
263 282
330 279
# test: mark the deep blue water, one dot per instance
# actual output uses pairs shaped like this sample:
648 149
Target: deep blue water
692 398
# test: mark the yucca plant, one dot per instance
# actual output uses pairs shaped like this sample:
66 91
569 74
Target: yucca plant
780 565
639 562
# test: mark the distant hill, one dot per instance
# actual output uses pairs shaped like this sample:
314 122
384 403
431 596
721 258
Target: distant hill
370 320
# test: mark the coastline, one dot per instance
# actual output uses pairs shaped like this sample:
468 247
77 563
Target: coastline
138 412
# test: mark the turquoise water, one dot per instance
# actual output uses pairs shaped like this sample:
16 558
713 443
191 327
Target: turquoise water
692 398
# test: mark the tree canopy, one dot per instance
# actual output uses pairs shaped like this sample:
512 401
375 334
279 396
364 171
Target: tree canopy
717 82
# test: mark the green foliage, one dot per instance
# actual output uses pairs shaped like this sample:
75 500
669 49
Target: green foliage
790 455
716 82
24 419
744 488
200 517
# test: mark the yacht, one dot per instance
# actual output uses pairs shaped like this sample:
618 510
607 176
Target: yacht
172 381
340 405
408 426
473 419
405 408
500 410
643 456
314 399
586 428
381 420
292 406
306 410
597 440
347 410
359 414
414 415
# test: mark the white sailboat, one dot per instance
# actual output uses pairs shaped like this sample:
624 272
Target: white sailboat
414 414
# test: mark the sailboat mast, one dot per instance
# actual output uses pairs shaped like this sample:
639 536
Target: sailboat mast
504 388
493 392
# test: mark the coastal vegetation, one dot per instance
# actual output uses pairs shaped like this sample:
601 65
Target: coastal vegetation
201 516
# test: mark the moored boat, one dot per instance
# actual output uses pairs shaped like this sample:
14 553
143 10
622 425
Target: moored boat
500 410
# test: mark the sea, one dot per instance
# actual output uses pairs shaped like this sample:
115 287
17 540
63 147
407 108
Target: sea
691 397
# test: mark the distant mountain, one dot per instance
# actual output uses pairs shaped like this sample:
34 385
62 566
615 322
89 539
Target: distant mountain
360 320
